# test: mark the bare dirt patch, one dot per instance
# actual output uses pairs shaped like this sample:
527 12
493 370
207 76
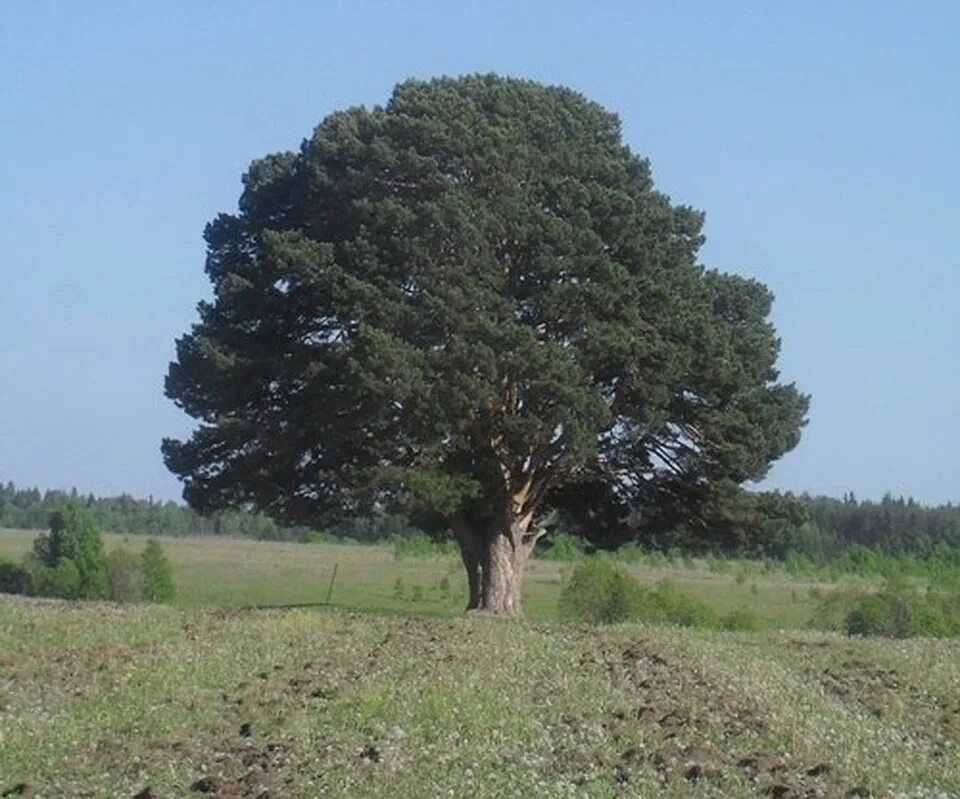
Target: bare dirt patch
245 772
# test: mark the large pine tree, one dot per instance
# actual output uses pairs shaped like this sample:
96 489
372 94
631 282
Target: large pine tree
471 305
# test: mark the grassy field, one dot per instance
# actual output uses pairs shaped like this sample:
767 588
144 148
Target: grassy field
149 701
240 572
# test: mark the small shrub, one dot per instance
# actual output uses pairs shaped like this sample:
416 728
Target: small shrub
323 537
600 592
718 565
417 594
799 565
754 589
631 552
741 578
562 546
14 579
670 605
832 610
157 577
742 621
444 585
896 611
62 580
655 558
398 589
124 577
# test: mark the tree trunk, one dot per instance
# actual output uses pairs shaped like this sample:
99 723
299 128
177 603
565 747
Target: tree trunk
471 552
495 559
503 571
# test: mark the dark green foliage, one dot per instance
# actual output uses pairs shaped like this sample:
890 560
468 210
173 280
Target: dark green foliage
69 561
30 509
601 592
62 580
896 611
14 579
810 536
471 305
125 581
157 576
667 604
378 528
893 525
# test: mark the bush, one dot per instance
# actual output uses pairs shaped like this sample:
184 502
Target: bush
73 545
798 565
667 604
157 577
717 565
633 552
562 546
14 579
62 580
897 611
124 577
324 537
741 621
600 592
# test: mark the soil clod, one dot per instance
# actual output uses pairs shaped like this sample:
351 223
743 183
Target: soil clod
206 785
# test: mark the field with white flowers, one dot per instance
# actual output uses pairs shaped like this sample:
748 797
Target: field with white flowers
98 700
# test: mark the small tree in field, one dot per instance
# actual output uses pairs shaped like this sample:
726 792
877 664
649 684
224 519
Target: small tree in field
157 577
70 561
472 306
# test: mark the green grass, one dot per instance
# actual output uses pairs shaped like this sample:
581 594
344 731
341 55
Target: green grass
103 701
239 572
412 699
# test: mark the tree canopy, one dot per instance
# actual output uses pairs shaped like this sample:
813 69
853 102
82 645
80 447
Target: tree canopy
472 305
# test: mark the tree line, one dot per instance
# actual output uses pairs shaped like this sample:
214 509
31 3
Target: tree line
762 524
31 509
773 524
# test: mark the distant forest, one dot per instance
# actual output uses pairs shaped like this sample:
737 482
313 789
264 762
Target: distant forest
819 527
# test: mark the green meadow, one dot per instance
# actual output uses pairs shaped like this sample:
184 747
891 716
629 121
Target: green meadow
213 571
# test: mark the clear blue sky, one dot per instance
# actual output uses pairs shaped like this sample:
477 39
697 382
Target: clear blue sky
821 139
